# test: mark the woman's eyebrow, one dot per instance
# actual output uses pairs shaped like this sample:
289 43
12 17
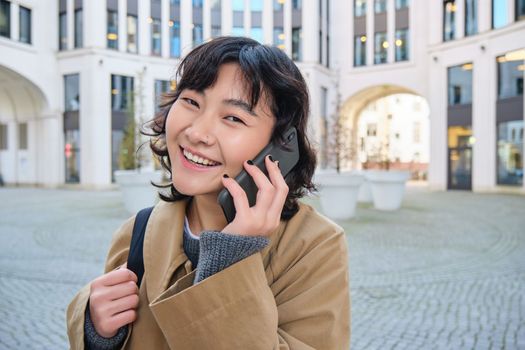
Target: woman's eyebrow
241 104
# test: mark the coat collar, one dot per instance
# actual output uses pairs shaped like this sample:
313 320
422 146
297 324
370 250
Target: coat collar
163 250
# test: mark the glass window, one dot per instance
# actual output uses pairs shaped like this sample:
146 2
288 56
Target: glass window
277 5
402 45
197 34
121 92
297 45
62 31
520 10
471 17
112 34
510 74
71 92
155 37
257 34
79 42
3 137
297 4
380 48
449 19
256 5
25 25
238 5
278 37
401 4
132 33
359 8
161 87
197 3
379 6
215 5
72 155
238 31
460 84
5 18
510 153
359 50
215 31
499 13
174 2
22 136
174 38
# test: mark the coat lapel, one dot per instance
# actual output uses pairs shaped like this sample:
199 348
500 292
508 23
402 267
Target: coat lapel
163 250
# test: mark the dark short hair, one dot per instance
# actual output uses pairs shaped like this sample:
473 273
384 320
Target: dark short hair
268 73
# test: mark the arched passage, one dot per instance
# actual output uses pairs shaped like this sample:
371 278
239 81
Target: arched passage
353 108
22 105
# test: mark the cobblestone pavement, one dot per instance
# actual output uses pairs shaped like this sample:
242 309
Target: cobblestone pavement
447 271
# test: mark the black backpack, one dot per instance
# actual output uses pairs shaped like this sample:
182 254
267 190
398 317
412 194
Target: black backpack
136 256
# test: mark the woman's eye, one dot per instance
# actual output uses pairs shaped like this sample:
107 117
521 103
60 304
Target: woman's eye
190 101
234 119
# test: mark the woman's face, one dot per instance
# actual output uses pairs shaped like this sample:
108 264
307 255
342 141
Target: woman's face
217 126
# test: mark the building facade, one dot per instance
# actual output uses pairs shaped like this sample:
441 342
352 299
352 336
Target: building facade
72 72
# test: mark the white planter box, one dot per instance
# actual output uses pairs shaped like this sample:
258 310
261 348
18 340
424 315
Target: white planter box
365 191
388 188
137 190
338 193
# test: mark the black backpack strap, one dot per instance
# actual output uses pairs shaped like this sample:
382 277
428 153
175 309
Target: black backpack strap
135 256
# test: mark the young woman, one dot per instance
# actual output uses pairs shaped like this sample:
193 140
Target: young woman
276 277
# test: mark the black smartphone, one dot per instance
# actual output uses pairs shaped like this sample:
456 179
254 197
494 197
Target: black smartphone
287 154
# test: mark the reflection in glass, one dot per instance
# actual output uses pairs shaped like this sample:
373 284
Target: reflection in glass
359 50
175 39
297 44
132 34
5 18
471 17
161 87
510 74
380 48
359 8
79 35
121 92
238 31
499 13
402 45
379 6
256 5
510 153
520 10
460 84
24 25
257 34
238 5
278 37
62 31
460 157
72 155
400 4
112 31
197 34
449 19
71 92
155 37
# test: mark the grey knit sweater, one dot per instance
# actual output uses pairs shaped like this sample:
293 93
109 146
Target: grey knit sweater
211 253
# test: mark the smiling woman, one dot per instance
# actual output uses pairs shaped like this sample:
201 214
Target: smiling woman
274 276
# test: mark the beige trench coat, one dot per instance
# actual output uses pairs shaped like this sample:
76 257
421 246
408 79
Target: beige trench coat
294 294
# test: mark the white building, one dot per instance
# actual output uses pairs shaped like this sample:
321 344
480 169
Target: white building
359 50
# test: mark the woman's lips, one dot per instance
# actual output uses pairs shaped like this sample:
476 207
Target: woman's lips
192 166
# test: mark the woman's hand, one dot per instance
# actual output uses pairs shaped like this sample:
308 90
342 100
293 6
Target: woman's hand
264 217
113 299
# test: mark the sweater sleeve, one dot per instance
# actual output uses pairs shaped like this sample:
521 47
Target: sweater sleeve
219 250
94 341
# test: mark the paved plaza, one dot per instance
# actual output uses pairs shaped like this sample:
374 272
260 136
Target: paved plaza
447 271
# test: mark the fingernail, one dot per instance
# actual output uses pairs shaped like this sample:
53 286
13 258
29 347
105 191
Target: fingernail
271 158
277 162
249 162
225 176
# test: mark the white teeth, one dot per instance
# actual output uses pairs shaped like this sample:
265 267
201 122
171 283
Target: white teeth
198 159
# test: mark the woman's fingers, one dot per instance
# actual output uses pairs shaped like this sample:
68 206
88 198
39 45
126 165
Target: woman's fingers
240 200
281 191
266 189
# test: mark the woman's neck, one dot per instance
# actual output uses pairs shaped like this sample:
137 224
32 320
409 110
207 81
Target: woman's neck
204 214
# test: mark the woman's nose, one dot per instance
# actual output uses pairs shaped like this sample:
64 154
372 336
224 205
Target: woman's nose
200 131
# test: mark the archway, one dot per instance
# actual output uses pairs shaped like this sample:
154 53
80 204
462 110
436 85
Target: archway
396 130
21 105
